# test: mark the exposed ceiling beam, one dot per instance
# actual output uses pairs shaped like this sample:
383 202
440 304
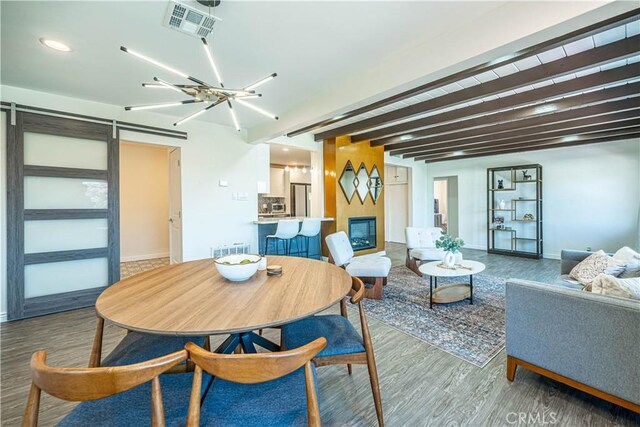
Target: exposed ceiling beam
415 128
616 135
537 110
530 51
488 141
547 146
599 113
580 61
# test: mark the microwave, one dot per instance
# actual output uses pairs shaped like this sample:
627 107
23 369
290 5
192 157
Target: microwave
277 208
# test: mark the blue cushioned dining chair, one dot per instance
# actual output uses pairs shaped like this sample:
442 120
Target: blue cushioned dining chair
115 396
137 347
256 389
344 344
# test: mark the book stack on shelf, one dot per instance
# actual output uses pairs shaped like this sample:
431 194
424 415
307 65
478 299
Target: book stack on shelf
514 210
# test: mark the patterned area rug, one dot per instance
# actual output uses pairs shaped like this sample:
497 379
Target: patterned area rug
474 333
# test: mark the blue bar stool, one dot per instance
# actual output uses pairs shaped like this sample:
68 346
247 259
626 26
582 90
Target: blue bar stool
287 229
310 228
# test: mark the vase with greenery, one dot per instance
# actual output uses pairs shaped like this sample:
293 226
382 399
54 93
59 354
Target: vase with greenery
451 245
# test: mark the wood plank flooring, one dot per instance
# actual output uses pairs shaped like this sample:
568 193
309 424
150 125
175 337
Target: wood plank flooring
421 385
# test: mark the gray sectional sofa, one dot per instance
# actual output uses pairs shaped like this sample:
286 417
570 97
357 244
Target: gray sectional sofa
587 341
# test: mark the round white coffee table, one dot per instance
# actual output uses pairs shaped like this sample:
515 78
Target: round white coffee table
453 292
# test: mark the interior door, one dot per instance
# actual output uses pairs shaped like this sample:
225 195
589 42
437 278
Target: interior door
175 206
396 204
62 213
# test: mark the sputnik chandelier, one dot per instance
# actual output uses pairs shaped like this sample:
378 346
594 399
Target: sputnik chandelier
202 92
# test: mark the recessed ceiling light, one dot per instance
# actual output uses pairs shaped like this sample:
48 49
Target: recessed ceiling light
570 138
55 45
405 137
285 149
458 153
545 109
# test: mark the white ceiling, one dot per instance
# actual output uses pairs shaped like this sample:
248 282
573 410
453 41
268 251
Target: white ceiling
309 44
281 155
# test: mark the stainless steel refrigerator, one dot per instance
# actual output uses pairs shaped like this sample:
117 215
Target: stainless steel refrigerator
300 199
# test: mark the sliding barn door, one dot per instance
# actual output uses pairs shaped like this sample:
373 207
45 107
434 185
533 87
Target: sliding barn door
62 215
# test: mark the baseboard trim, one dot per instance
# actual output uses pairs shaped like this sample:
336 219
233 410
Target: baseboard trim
484 248
514 362
480 247
144 257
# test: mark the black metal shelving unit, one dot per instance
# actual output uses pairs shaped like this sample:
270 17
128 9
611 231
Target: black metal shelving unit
514 221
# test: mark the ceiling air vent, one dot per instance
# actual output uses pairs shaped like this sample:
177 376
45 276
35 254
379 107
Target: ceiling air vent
189 20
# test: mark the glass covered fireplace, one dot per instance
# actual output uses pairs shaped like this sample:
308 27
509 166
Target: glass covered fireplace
362 233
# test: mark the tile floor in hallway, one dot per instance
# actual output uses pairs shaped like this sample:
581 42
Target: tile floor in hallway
130 268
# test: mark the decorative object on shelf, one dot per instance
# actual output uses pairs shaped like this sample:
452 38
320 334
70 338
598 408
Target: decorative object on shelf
519 232
501 184
201 92
348 181
450 244
375 184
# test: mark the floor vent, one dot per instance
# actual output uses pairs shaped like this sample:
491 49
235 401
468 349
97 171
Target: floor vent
189 20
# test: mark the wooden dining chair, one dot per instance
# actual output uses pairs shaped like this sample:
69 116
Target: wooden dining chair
137 347
114 395
344 344
277 388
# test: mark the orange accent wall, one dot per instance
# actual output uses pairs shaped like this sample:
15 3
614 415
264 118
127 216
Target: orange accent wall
337 152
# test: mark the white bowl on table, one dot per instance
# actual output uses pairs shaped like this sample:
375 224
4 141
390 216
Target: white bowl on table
237 267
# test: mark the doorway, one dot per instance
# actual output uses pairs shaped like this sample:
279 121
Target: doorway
150 207
396 204
445 204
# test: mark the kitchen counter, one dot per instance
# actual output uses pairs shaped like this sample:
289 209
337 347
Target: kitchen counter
267 226
274 220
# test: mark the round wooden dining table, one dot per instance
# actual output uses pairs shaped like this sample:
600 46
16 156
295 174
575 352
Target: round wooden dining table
192 298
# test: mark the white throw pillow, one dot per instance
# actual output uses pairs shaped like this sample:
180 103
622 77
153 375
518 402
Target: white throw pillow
631 259
626 254
609 285
597 263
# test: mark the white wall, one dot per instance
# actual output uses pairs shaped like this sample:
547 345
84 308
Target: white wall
144 201
591 195
210 215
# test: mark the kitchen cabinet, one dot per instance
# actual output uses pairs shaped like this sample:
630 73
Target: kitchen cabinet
277 184
396 174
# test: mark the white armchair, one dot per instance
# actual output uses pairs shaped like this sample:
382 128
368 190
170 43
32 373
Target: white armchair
421 246
372 268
